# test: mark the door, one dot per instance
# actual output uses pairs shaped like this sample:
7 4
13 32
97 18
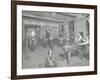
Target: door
31 33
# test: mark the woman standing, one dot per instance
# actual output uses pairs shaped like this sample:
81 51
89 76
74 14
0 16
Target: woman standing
81 42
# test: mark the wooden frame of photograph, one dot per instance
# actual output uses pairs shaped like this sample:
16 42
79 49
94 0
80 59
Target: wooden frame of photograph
16 22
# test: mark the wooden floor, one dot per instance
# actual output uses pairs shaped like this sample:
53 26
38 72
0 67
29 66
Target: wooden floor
37 58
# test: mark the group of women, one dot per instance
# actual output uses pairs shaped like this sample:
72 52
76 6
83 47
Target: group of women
79 42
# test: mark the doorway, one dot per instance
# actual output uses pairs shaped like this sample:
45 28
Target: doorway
31 34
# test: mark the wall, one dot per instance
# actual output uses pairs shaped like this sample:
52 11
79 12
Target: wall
80 26
48 20
5 40
43 24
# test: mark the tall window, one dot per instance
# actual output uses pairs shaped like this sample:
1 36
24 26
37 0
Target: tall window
87 27
71 29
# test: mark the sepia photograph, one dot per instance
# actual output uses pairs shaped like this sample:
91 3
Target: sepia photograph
55 39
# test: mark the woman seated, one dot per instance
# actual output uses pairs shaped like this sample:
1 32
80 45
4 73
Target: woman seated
50 59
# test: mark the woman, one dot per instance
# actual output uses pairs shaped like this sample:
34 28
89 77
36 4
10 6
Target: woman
50 59
32 40
81 42
79 39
